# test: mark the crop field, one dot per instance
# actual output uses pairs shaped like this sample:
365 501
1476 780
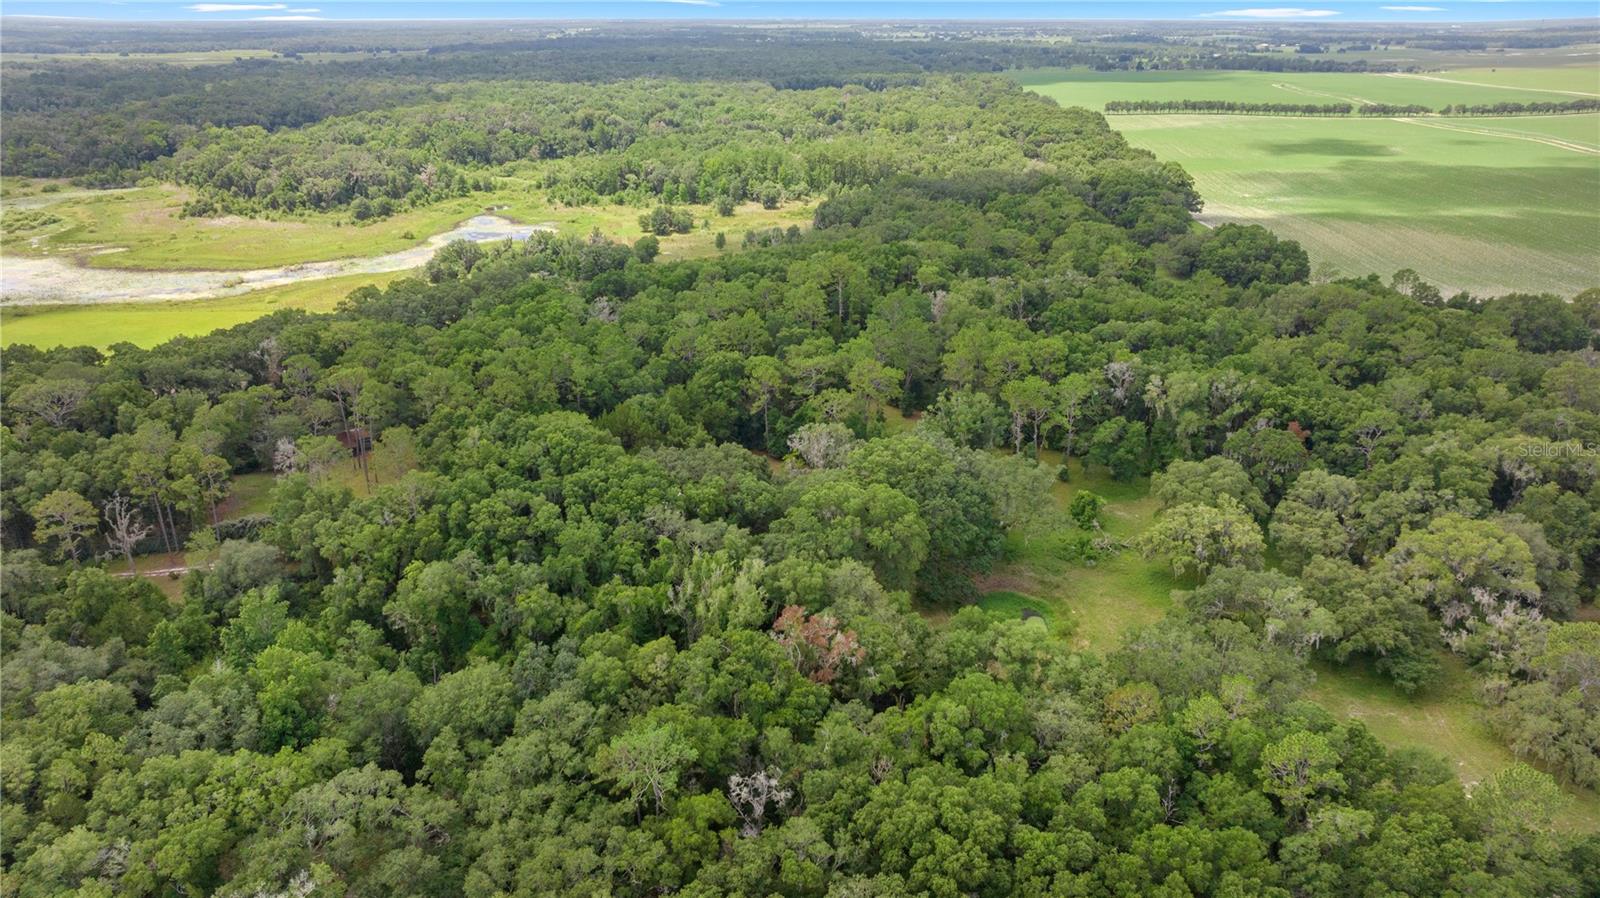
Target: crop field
1081 87
1488 205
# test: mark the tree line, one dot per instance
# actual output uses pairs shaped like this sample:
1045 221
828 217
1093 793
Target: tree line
1224 107
1314 110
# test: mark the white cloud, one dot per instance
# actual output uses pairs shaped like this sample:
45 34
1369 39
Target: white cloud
1275 12
1415 8
235 7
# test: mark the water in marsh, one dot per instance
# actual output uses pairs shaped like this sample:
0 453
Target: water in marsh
47 281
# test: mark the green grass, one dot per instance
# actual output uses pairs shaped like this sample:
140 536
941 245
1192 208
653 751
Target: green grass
147 324
1572 79
171 585
1481 204
896 421
1446 719
146 229
1083 87
1012 604
143 224
1096 603
251 494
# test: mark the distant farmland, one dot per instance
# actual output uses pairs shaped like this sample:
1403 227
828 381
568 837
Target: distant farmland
1517 207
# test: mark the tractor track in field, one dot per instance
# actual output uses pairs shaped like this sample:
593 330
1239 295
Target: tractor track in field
1536 90
1306 91
1482 131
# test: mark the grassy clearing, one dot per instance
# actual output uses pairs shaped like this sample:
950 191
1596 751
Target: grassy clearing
170 584
146 324
1515 207
1013 604
1097 603
1096 606
251 493
143 228
1446 719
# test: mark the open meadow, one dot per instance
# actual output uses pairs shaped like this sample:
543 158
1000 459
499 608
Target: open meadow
146 324
143 228
1487 205
138 237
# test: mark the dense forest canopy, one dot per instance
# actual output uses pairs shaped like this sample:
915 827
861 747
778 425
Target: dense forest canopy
641 593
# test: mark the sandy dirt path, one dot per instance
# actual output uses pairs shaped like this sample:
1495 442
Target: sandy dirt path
26 281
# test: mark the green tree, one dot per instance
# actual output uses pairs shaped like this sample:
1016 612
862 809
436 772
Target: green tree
1084 509
1119 444
1299 769
1195 539
64 518
647 762
1318 516
1456 564
1205 482
835 518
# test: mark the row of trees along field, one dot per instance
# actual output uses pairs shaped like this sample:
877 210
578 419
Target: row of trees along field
1230 107
593 643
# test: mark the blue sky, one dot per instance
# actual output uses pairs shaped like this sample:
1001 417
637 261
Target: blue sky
1223 10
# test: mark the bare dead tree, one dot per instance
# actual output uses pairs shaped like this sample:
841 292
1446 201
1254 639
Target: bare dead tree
750 796
125 527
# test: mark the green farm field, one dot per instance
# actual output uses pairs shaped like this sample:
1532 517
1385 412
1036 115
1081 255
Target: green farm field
1082 87
1488 205
1096 606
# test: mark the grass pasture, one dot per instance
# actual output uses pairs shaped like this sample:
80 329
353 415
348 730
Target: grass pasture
146 324
1446 719
1489 205
1083 87
141 230
145 230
